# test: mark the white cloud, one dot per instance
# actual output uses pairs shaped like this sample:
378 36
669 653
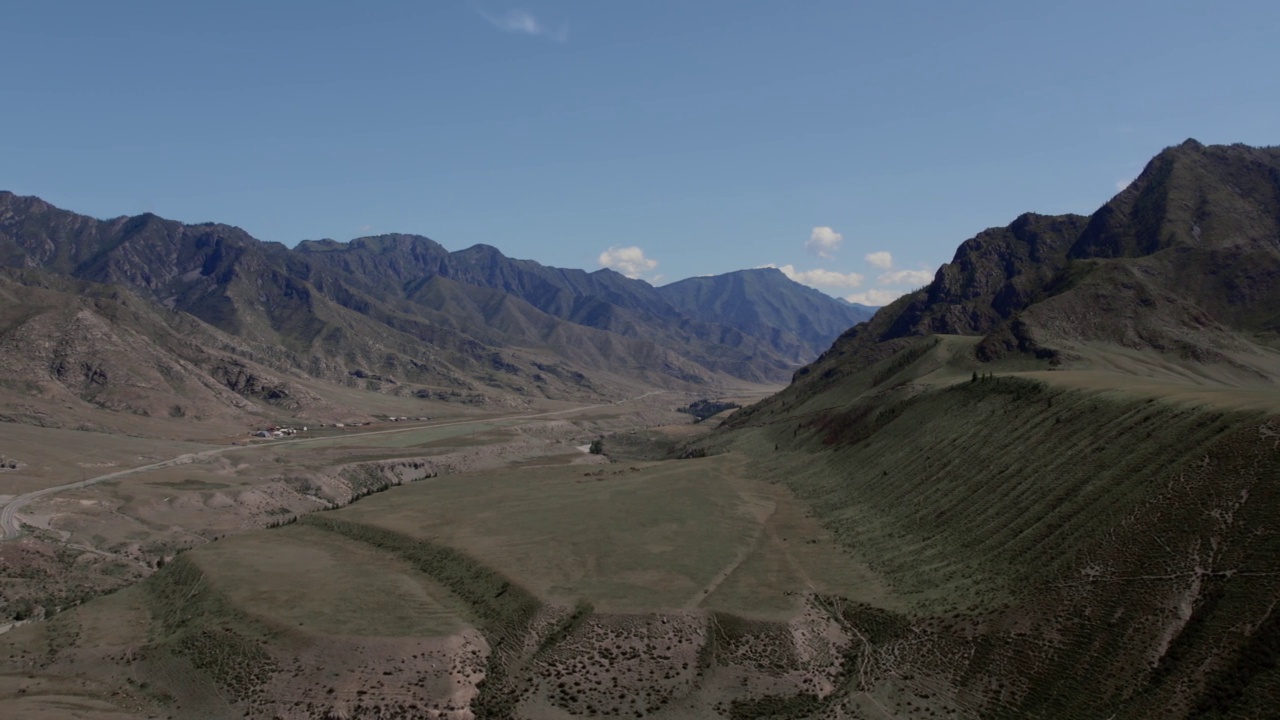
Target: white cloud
875 297
523 22
881 259
1124 183
629 261
823 242
821 278
914 278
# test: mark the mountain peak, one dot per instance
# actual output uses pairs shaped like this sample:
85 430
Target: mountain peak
482 249
755 299
1190 195
763 271
1181 260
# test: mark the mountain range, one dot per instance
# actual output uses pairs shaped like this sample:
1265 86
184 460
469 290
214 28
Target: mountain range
211 307
1042 486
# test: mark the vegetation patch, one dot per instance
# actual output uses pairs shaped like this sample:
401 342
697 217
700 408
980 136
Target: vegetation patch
776 707
504 610
565 627
495 601
875 625
194 620
704 408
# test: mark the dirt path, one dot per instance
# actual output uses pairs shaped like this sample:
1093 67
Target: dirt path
715 582
11 527
763 513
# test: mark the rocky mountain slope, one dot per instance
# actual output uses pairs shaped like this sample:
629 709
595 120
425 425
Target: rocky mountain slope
1185 262
399 311
1061 455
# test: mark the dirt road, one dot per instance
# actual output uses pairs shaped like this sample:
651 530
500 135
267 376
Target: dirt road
11 528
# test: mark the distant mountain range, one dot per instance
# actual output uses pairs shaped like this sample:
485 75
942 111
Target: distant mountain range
764 303
396 312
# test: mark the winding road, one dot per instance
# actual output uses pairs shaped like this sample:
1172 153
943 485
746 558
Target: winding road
11 527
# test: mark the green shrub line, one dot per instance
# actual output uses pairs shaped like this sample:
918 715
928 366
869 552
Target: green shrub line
193 619
564 627
504 611
901 360
777 707
494 600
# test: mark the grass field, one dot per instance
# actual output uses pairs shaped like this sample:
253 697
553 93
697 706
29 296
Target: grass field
1041 543
634 538
1084 530
319 582
52 456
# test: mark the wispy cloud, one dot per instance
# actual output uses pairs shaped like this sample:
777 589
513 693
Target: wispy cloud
523 22
875 297
823 242
1123 183
914 278
820 278
629 261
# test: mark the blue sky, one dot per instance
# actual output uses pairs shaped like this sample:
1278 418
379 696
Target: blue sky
853 143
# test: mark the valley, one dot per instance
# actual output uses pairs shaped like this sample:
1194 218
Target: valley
813 565
1045 485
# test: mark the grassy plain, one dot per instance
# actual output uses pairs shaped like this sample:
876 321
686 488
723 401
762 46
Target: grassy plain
1037 543
53 456
632 538
320 582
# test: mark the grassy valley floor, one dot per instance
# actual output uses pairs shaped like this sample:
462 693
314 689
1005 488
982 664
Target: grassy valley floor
1026 545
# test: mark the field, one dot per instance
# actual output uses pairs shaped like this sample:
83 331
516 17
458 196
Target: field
1030 543
1067 531
541 577
613 537
81 542
514 554
51 456
362 592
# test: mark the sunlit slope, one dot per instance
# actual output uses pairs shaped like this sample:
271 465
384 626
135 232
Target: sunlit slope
1093 551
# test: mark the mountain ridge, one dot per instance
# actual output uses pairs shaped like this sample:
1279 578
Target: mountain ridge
403 306
1062 453
1131 274
755 301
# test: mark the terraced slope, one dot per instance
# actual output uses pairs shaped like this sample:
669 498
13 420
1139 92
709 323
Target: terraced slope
1062 551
